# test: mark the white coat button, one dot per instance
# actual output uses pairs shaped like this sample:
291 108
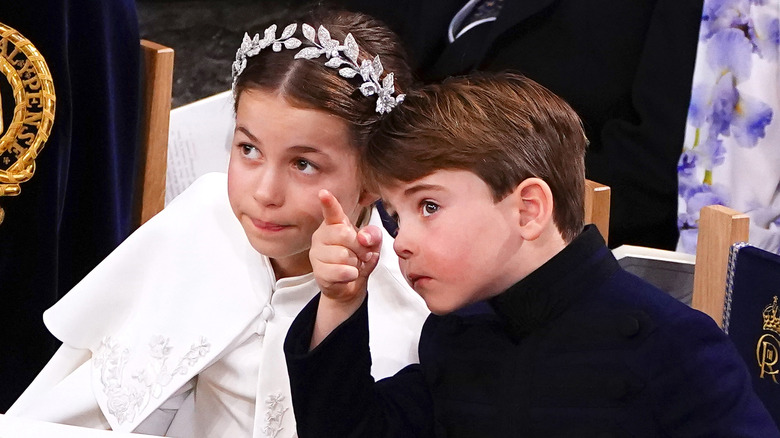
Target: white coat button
260 330
267 313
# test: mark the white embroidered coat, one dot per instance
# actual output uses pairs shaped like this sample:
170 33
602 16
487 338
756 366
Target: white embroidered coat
174 298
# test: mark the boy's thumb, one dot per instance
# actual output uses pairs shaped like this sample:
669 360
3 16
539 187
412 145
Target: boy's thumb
370 237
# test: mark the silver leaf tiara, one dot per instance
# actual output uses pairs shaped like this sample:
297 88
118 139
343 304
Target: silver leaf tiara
342 57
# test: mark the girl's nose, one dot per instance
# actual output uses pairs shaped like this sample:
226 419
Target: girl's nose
270 187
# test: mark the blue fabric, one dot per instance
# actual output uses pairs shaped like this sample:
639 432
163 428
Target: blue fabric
756 284
77 206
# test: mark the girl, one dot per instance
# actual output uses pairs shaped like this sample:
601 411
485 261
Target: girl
180 330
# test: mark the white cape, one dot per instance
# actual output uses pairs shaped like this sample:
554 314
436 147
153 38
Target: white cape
174 298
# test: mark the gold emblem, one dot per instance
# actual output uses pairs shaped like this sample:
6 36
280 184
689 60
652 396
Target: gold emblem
25 134
768 345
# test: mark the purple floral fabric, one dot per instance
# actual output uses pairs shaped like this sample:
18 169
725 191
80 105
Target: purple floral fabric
731 154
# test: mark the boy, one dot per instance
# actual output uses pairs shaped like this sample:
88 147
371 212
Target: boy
536 329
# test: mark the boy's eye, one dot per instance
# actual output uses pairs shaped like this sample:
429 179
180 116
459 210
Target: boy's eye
429 208
305 166
249 151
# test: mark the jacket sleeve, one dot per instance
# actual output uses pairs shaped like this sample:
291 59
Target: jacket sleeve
334 394
707 391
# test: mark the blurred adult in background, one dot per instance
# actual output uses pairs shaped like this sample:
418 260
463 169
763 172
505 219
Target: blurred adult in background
77 206
625 67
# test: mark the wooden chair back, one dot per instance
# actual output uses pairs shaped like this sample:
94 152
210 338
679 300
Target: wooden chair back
156 111
597 206
719 228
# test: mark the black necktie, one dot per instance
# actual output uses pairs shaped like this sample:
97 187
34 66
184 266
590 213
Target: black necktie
473 14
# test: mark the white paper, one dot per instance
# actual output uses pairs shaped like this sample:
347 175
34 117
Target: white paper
198 141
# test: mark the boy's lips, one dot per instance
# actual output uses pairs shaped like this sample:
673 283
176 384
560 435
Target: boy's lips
269 226
416 280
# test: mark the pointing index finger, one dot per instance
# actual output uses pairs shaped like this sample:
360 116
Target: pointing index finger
332 213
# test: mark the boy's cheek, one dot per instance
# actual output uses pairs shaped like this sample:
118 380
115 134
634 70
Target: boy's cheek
402 265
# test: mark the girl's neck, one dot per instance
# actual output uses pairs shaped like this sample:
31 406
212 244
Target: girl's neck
292 266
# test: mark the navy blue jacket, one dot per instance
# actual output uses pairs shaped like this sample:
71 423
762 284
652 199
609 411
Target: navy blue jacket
577 348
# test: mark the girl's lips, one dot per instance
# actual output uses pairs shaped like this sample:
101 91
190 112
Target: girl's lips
269 226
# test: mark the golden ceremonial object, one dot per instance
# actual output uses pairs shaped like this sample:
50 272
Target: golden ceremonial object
33 90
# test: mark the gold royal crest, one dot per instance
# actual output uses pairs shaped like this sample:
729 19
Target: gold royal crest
768 346
33 115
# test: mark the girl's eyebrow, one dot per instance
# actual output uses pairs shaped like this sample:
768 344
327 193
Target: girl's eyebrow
301 149
306 149
248 134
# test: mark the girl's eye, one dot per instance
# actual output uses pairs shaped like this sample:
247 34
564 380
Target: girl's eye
429 208
249 151
305 166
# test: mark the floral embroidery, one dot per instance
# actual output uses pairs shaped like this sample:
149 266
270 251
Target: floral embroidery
125 398
734 35
274 414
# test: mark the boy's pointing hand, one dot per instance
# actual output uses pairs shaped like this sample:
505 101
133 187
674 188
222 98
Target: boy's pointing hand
342 257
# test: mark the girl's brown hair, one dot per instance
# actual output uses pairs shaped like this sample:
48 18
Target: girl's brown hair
310 84
503 127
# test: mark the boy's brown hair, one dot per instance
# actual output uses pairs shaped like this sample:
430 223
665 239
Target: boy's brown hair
503 127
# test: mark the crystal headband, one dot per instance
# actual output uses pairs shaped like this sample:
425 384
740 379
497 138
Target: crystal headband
342 57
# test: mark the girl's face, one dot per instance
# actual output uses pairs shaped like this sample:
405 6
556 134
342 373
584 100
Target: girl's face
281 156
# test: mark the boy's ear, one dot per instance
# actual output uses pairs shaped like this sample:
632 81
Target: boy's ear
535 206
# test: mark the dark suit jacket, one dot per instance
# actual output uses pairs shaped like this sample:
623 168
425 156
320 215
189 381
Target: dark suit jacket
578 348
625 66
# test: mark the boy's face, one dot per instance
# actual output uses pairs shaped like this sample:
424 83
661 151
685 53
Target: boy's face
455 244
281 156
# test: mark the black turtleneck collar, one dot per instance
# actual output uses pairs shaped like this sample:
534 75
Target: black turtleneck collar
546 292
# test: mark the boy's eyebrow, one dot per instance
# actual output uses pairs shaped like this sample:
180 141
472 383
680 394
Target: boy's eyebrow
411 191
420 187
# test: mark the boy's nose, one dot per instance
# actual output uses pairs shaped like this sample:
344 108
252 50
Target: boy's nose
402 245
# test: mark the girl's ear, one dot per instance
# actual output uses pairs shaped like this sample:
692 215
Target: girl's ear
365 201
367 198
535 206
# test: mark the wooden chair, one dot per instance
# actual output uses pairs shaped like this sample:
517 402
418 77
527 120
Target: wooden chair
597 198
719 228
156 110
